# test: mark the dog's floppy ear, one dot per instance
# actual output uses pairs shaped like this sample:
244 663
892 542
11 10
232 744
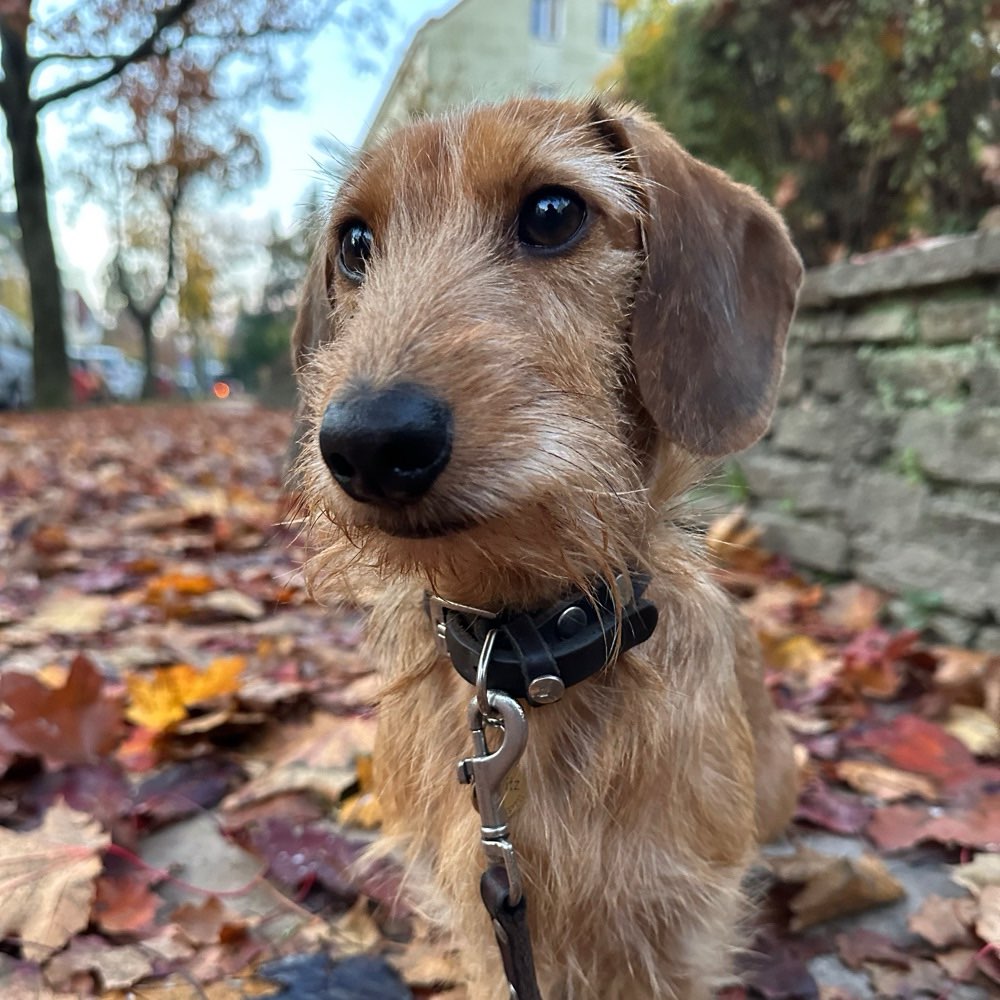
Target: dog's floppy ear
313 321
714 301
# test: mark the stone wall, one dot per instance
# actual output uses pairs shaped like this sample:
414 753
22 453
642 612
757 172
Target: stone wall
883 461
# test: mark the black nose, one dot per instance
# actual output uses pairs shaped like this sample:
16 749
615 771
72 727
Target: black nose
386 445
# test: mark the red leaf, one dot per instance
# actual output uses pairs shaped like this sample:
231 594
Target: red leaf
898 826
914 744
74 724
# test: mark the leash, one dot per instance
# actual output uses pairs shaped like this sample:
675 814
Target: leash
533 656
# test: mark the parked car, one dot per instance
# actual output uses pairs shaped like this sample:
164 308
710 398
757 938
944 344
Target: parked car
16 369
121 375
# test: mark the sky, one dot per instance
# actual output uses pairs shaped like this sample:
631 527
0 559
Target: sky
338 102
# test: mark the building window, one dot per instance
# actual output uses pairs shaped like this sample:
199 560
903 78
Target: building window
611 24
547 19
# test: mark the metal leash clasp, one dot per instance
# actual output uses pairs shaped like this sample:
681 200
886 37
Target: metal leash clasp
486 772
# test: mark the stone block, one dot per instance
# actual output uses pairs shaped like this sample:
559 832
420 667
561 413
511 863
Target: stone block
807 429
817 328
988 638
984 381
915 566
808 487
833 372
961 527
932 262
885 503
955 321
921 374
959 447
807 543
882 324
951 629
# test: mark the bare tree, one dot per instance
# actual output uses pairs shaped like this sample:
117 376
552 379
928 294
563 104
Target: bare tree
107 41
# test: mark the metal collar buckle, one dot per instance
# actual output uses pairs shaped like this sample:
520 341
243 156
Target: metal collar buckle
436 606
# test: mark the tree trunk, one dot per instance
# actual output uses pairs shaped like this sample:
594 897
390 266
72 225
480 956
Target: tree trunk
51 368
145 320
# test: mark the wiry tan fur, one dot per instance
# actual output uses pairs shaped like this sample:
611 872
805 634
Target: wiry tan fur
565 375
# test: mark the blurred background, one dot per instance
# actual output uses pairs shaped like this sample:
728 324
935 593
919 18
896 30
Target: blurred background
160 170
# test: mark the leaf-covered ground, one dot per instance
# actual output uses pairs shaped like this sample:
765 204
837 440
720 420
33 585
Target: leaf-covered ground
185 740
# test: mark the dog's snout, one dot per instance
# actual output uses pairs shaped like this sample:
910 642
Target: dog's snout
387 445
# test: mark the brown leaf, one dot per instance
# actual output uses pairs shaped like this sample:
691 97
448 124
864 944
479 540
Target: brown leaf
202 922
897 826
124 903
834 886
47 880
886 783
72 724
853 607
944 922
115 967
861 945
988 921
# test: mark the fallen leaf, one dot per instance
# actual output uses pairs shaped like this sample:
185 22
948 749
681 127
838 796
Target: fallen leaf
185 788
124 903
202 922
68 612
988 920
975 729
959 963
822 806
47 880
916 745
73 724
834 886
922 978
944 922
362 809
983 870
861 945
886 783
852 606
163 699
362 977
225 604
116 967
898 826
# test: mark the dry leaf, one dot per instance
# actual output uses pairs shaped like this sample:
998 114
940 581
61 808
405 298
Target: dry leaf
124 903
67 612
988 921
163 699
886 783
834 886
983 870
944 922
362 809
47 879
115 967
974 728
73 724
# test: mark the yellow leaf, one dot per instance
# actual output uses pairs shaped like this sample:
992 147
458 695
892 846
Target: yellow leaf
362 809
974 728
159 701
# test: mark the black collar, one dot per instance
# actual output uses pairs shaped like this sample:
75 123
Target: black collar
537 654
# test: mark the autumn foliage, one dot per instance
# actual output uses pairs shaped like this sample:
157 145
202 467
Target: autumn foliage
185 747
867 121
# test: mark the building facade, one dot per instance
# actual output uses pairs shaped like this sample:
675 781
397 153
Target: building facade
486 50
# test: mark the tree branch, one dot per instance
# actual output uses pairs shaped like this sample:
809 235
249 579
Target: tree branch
79 57
166 18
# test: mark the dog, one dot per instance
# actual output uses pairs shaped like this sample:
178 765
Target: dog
527 330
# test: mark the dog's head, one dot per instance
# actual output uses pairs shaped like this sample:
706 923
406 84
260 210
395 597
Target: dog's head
520 321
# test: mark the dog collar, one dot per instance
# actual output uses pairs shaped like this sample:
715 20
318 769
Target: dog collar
536 655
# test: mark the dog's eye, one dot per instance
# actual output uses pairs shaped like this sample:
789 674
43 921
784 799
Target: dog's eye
355 249
550 218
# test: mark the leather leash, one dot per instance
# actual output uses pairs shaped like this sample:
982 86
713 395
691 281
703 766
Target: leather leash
533 656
